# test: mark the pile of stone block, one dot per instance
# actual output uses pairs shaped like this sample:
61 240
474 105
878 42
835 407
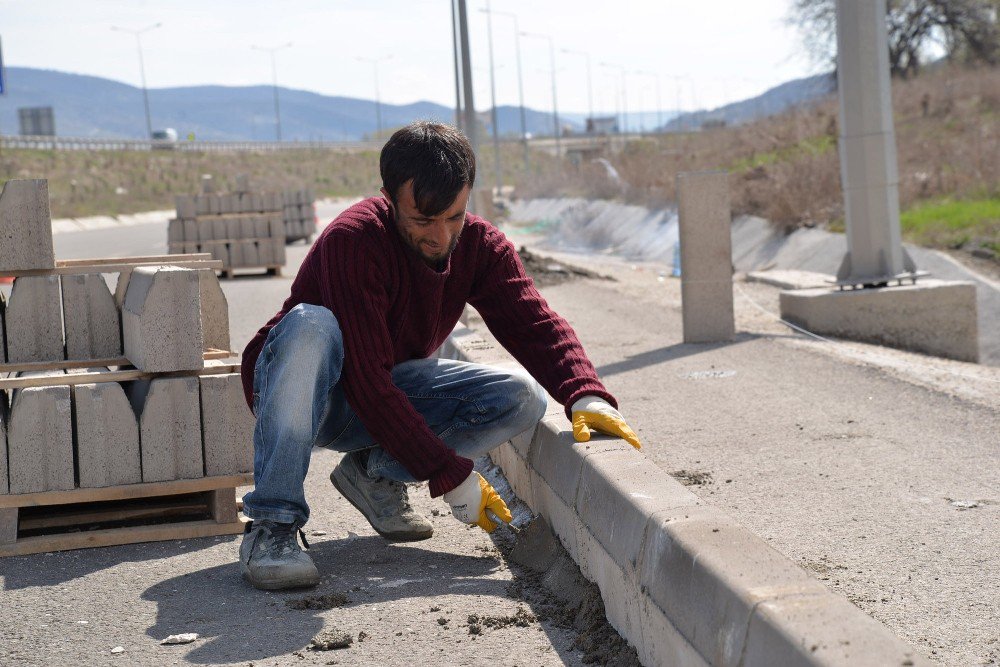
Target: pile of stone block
62 433
242 229
299 215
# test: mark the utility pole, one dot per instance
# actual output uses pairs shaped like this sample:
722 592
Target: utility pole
590 82
520 84
555 105
621 69
142 70
470 106
378 99
274 80
458 72
493 99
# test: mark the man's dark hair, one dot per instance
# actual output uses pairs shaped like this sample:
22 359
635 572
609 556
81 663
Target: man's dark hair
437 157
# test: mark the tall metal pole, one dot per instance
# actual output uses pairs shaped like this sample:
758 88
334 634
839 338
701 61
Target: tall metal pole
274 81
621 69
493 99
470 106
555 103
590 81
378 97
458 73
142 70
520 85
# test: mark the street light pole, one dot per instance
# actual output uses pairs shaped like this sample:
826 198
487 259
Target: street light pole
274 78
378 99
495 116
142 69
590 86
659 101
621 69
520 83
555 105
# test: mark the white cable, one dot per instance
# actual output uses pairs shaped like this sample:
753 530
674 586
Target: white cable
833 342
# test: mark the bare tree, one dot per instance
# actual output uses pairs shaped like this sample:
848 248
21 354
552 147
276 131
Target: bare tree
965 29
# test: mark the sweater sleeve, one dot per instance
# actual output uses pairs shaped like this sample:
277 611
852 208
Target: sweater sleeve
354 290
521 320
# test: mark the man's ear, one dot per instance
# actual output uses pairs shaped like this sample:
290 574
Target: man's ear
388 200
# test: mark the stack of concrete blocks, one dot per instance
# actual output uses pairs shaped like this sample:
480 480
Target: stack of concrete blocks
57 436
240 229
299 214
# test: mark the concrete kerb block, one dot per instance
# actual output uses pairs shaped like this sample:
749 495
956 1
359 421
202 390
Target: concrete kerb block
40 438
187 206
248 226
92 322
821 629
161 319
206 229
3 327
249 251
236 254
564 521
175 231
558 458
708 573
516 470
214 311
4 419
619 492
25 226
107 435
227 425
190 230
34 320
169 415
662 643
261 227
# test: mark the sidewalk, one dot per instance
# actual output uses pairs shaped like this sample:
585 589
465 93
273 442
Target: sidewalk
877 470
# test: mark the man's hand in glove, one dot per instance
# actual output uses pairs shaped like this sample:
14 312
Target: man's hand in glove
470 500
593 413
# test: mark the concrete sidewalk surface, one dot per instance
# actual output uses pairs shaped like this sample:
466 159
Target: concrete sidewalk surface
876 470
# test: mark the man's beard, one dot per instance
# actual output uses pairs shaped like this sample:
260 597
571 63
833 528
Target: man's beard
439 258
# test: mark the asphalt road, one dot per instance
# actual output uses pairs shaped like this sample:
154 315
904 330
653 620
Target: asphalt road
407 603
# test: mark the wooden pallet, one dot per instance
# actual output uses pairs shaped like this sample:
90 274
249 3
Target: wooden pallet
272 270
33 523
127 375
68 267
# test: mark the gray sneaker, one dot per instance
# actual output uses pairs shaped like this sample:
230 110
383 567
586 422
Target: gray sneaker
383 502
270 557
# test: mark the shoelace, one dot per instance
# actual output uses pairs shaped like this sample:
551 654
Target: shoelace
281 535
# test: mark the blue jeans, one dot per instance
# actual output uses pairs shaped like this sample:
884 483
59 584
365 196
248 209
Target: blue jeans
299 402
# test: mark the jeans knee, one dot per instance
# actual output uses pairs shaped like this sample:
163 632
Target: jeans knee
314 328
531 398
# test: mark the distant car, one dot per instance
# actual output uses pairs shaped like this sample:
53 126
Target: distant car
165 138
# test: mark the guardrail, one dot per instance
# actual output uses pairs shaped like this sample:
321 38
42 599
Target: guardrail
102 144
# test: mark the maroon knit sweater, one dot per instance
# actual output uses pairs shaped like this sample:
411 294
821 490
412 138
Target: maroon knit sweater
392 307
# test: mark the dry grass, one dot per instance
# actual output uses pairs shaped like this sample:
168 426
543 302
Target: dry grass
786 168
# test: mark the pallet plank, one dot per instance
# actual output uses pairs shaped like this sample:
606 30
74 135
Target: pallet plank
110 376
35 366
127 491
147 259
222 505
123 265
128 512
117 536
8 525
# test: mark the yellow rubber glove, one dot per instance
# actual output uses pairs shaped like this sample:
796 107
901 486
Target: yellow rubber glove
470 500
593 413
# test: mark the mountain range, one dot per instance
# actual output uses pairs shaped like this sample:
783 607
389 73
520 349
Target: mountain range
89 106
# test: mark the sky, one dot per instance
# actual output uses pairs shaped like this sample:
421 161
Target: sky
688 53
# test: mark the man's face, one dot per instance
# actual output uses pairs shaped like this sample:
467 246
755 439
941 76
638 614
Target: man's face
432 237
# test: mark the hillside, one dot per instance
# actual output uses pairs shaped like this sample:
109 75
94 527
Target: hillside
88 106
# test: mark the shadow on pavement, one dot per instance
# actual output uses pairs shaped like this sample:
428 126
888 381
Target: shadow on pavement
243 624
670 353
49 569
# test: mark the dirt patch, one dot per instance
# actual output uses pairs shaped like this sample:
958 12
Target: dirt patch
558 594
692 477
521 618
547 272
333 638
329 601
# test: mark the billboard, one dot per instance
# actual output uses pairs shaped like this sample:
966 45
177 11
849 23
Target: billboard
37 121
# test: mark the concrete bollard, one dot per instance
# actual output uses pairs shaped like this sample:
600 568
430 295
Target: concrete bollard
706 255
227 425
107 435
34 320
25 226
4 406
161 319
40 438
169 427
93 326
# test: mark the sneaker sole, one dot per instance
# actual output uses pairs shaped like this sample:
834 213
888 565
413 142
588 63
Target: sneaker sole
281 585
399 536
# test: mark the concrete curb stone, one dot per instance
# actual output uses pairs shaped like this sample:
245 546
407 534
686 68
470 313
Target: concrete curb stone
107 435
40 438
161 319
92 321
169 427
4 419
25 226
34 320
682 581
